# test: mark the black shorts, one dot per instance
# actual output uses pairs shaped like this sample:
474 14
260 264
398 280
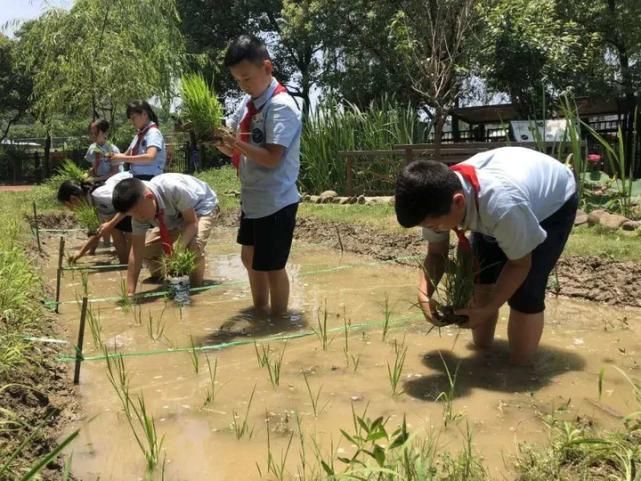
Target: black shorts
271 237
144 177
529 298
124 225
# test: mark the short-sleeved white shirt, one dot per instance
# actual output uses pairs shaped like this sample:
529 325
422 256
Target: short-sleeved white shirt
153 138
265 190
101 198
176 193
519 188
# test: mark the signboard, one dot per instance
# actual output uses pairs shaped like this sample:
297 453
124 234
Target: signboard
548 130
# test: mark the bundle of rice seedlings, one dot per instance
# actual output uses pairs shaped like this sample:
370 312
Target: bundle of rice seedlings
87 216
68 170
181 262
458 288
200 106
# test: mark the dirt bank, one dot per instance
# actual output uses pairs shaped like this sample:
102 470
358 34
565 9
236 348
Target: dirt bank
590 278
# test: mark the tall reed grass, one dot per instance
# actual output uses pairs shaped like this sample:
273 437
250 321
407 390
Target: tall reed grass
335 127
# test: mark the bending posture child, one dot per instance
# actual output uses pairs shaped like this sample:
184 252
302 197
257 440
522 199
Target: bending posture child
178 208
72 193
101 151
266 151
146 155
520 206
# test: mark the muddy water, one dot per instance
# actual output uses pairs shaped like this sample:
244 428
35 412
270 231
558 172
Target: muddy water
503 405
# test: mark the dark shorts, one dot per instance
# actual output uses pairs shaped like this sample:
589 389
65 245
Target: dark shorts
271 237
529 298
124 225
144 177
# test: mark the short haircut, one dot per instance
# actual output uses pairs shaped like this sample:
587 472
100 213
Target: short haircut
127 194
246 47
101 125
69 189
424 188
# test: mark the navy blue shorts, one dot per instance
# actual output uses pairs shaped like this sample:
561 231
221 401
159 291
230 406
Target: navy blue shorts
529 298
124 225
271 237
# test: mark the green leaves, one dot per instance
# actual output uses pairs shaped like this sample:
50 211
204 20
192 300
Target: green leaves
181 261
200 106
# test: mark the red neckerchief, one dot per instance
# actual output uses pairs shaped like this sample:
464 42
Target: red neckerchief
165 238
140 136
468 172
245 124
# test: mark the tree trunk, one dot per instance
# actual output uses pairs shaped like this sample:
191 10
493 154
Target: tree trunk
47 153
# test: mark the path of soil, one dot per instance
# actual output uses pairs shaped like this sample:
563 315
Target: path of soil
590 278
15 188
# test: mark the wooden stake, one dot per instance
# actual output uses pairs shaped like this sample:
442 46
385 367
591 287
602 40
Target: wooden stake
81 340
35 221
61 253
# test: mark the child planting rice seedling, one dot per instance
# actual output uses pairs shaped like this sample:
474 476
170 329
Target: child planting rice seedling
520 206
180 209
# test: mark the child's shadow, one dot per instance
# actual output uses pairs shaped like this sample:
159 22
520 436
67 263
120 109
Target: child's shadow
250 323
490 371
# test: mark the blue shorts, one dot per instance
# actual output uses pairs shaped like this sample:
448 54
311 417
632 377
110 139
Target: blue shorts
529 298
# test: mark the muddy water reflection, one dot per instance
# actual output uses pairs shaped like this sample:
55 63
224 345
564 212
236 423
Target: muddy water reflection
502 404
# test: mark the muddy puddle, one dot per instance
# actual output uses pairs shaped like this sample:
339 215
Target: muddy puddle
503 405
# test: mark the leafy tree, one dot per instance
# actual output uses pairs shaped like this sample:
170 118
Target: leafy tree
15 87
96 57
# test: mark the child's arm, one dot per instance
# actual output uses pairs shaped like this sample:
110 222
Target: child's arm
140 159
430 275
90 244
190 228
108 226
268 156
135 262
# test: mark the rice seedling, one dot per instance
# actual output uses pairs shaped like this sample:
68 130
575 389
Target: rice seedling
87 216
156 326
125 301
68 170
449 396
347 324
273 365
387 316
262 356
181 262
200 106
274 467
395 371
95 325
193 354
321 329
314 398
242 428
142 424
210 396
356 361
137 313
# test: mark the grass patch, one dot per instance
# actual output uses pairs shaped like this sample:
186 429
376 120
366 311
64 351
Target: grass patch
222 181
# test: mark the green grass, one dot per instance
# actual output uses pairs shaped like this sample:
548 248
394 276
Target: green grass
222 181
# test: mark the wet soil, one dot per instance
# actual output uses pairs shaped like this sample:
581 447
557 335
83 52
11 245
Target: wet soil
589 278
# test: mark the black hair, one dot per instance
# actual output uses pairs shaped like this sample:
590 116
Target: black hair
127 194
73 188
140 106
246 47
424 188
100 125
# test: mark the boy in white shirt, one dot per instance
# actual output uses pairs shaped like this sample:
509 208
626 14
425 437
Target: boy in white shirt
520 206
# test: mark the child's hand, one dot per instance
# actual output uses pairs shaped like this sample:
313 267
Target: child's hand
118 156
224 136
477 316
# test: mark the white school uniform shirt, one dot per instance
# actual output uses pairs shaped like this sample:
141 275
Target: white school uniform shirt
264 190
101 198
519 188
106 164
176 193
153 138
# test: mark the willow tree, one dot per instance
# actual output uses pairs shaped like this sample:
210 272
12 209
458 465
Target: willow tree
91 60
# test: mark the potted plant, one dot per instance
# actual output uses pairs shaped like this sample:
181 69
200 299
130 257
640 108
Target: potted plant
201 110
177 267
458 288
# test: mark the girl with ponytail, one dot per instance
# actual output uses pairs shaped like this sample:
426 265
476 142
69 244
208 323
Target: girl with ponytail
146 155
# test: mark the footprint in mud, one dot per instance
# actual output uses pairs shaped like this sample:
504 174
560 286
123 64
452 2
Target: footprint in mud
490 370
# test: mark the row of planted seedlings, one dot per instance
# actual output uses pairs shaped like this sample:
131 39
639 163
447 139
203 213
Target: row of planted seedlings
371 440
